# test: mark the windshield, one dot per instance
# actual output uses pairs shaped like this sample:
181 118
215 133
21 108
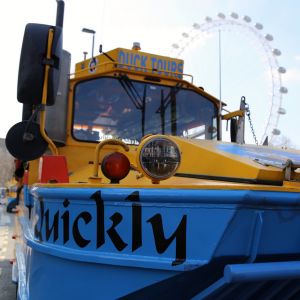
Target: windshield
120 108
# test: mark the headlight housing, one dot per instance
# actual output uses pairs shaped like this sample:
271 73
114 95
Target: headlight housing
159 158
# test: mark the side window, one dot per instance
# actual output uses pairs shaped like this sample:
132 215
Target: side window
197 116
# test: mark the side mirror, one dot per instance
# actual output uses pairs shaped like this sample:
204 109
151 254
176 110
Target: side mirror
25 142
33 61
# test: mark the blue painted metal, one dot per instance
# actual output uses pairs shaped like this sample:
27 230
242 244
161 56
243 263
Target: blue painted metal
254 245
262 271
257 273
28 200
147 243
279 156
211 289
183 196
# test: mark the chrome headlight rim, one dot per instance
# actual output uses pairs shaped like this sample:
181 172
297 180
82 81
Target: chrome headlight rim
159 139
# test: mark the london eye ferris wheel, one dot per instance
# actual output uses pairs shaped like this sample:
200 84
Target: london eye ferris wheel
254 31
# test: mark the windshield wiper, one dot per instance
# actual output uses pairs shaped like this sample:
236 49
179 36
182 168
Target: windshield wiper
173 113
144 110
134 96
131 91
162 112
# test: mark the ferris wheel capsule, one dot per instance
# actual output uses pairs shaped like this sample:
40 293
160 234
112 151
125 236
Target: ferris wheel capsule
221 15
258 26
234 15
276 52
276 131
247 19
283 90
281 70
196 26
281 111
269 37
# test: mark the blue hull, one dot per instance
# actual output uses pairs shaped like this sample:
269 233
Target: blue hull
111 243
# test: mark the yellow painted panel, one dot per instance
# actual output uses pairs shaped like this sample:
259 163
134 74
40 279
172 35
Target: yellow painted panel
132 60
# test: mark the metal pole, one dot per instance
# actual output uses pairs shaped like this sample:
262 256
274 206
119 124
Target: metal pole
93 45
86 30
220 87
220 67
60 13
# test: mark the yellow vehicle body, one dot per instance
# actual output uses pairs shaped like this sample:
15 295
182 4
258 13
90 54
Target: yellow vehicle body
211 163
135 60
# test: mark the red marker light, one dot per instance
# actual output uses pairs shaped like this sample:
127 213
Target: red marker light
115 166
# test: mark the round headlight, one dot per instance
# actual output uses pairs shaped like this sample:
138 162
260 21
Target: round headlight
159 158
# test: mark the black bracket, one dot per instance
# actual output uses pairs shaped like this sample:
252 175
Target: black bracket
48 61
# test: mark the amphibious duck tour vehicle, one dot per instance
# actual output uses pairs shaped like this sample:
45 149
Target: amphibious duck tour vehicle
129 192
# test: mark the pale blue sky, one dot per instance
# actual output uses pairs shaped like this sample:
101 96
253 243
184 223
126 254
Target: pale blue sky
158 24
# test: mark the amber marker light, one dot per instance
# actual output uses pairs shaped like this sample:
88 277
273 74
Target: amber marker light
159 158
115 166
